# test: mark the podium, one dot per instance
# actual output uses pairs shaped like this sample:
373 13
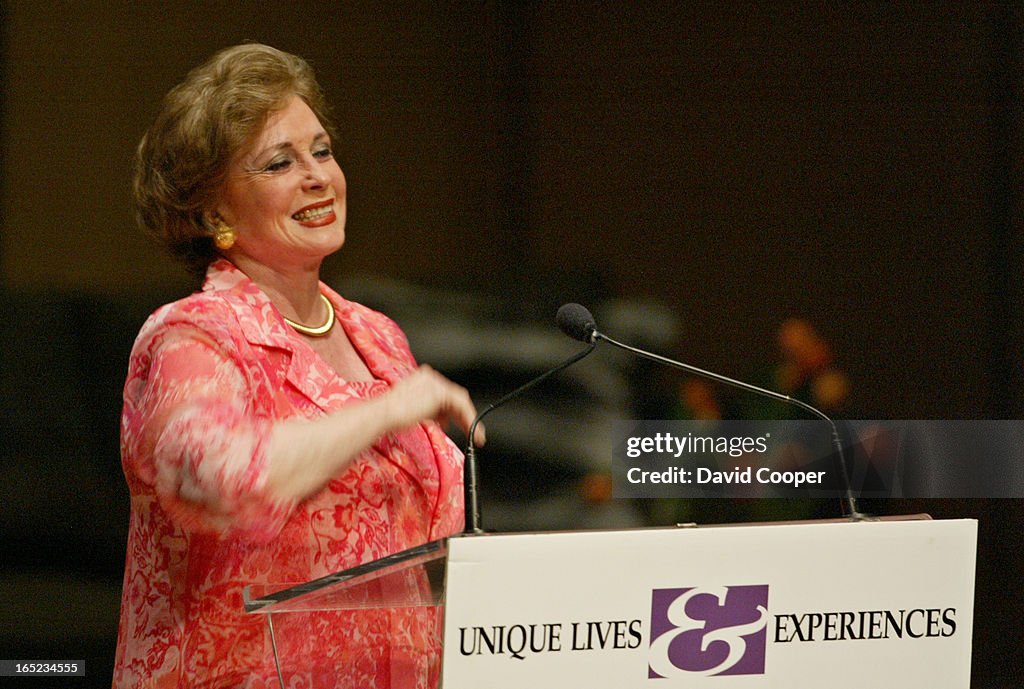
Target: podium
797 604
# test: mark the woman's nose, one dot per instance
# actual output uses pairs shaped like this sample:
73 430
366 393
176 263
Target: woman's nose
316 176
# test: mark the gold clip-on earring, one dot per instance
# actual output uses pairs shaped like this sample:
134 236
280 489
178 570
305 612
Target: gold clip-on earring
223 234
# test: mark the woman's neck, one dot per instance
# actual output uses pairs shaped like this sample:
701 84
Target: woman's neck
295 292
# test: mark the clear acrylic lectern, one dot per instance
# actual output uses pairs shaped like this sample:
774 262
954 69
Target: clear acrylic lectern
392 592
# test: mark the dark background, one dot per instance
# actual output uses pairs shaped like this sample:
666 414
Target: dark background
856 164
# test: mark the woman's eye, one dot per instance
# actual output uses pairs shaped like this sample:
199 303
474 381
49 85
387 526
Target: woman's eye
322 153
278 165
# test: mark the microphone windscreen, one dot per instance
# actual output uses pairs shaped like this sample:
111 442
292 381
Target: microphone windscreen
576 322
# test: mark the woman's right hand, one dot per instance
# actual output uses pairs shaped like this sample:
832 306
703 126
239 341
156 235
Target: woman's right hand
304 454
426 394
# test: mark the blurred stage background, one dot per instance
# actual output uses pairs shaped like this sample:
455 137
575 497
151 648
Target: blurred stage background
696 173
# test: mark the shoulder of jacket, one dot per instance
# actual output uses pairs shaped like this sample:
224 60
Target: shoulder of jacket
213 313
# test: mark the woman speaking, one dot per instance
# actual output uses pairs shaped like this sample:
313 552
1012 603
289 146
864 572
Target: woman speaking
273 432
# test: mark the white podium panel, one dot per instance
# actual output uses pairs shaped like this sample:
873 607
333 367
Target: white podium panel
837 605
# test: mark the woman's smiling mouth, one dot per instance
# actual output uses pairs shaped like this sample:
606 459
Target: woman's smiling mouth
315 213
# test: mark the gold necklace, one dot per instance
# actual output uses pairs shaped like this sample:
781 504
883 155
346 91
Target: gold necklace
318 330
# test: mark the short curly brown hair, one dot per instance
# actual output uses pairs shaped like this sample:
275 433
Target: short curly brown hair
182 160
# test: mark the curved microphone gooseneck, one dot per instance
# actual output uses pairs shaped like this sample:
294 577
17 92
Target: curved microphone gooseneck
470 479
577 322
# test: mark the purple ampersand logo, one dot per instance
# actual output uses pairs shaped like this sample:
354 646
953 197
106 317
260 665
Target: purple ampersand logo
720 630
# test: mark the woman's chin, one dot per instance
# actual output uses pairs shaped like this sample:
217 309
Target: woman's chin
322 241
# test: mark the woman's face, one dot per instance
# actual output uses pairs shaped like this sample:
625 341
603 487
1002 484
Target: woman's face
285 194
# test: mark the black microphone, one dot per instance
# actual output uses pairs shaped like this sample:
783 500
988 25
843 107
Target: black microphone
470 480
576 322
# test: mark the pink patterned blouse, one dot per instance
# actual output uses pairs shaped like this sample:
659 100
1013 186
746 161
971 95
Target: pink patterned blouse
208 377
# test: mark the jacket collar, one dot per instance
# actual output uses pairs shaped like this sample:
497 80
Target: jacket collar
263 325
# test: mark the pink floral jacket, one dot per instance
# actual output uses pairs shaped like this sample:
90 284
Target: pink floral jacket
208 377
